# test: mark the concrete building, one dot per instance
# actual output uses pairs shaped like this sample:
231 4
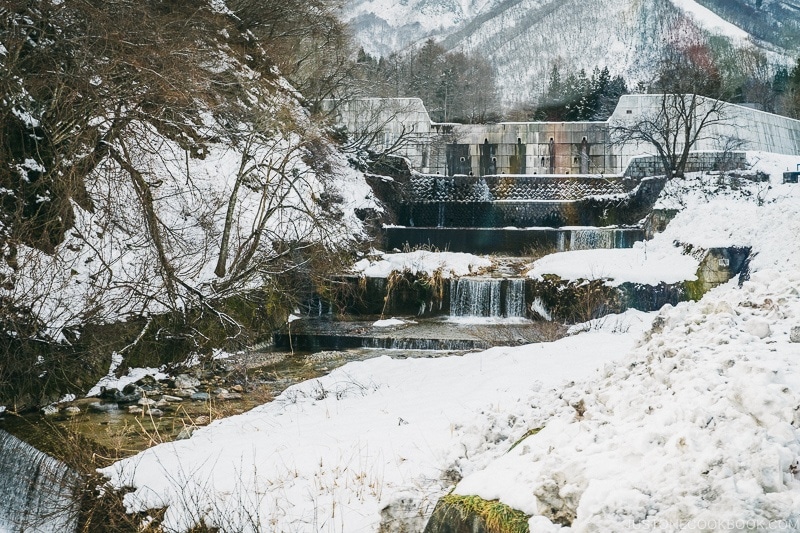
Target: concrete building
403 126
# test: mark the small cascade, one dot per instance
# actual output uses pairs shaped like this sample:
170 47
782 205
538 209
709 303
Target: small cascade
515 298
451 345
475 297
591 239
561 245
490 298
36 491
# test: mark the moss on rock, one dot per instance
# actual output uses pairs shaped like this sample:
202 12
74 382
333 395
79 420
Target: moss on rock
455 513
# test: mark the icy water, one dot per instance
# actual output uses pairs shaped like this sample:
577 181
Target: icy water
41 455
36 491
37 484
114 433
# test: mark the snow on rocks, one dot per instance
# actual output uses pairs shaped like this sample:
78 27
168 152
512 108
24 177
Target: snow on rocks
422 262
645 263
389 322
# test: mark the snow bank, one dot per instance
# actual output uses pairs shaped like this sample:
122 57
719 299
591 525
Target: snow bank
697 428
714 212
421 261
645 263
330 454
698 425
764 217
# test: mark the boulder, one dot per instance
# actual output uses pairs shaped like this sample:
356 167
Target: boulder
185 381
229 396
470 514
172 399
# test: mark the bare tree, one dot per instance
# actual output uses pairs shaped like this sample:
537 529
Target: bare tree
120 126
673 127
380 126
689 111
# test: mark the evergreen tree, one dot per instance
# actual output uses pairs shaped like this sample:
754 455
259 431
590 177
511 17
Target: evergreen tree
780 82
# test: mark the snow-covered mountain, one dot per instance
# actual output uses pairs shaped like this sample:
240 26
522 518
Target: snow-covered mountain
383 26
525 38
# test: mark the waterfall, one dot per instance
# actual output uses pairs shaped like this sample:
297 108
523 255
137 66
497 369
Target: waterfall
561 245
515 298
36 491
491 298
591 239
475 297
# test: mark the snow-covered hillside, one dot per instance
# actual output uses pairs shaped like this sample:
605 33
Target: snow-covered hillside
176 182
108 267
523 39
682 418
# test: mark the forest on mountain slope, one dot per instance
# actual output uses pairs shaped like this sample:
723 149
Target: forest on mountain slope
459 87
524 40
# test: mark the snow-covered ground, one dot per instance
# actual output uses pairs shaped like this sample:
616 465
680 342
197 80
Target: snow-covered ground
331 453
688 424
695 429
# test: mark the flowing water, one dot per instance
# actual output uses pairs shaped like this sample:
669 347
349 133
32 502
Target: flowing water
487 297
37 492
595 238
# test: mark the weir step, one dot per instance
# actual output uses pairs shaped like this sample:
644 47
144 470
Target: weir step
513 241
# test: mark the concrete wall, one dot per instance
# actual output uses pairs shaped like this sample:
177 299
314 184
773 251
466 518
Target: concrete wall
536 148
515 148
756 130
400 124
